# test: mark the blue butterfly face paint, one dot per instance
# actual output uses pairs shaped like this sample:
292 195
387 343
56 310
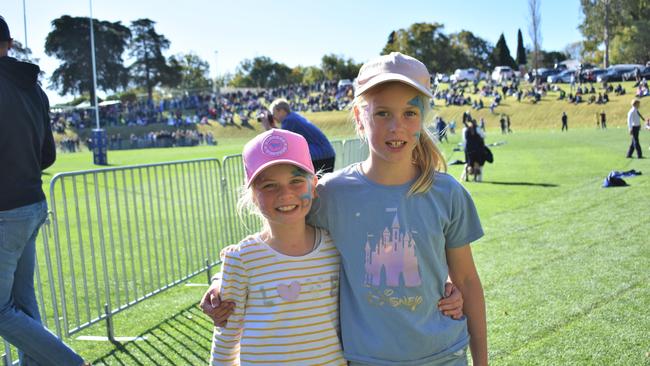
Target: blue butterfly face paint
297 172
417 102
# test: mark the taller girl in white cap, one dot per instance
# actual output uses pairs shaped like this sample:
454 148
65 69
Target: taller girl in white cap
402 225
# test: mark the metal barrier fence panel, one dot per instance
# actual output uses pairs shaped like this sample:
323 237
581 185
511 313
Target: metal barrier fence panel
338 148
353 151
239 224
121 235
125 234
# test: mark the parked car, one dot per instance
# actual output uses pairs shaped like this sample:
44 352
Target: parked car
440 78
465 74
501 73
566 76
543 74
644 72
343 83
615 72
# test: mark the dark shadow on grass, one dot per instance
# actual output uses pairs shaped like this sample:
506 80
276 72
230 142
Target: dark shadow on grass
545 185
185 338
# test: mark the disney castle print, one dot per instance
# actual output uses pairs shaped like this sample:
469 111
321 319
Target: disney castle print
395 254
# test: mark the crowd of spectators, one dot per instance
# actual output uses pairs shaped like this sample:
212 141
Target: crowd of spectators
236 108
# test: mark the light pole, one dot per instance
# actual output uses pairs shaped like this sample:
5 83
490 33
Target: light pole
99 135
216 74
25 24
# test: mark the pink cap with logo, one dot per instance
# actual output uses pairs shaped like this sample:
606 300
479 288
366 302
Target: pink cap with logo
273 147
393 67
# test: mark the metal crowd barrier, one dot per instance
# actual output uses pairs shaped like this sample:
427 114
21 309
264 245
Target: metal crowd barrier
121 235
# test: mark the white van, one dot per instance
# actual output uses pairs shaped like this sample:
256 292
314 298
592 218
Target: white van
501 73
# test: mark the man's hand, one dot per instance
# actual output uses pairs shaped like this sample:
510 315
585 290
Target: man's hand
211 305
452 304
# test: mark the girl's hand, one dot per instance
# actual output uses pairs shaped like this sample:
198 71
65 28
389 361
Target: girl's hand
452 304
211 305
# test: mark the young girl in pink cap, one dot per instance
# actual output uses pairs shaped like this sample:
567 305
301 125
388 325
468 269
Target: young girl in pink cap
284 279
402 227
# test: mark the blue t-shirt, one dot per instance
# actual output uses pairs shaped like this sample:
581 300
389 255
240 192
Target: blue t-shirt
393 264
319 146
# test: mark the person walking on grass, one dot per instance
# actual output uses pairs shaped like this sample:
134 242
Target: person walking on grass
634 119
565 122
27 148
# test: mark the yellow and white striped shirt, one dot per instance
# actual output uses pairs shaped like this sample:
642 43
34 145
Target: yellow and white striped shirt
286 307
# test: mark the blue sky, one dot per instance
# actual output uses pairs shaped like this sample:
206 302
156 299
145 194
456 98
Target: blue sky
295 32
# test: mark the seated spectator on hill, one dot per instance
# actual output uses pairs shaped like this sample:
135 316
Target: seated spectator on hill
562 94
322 152
619 90
605 98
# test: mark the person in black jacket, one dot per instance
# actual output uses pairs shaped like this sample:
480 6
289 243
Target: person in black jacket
26 148
475 156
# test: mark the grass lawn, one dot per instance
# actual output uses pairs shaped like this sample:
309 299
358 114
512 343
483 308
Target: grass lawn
564 262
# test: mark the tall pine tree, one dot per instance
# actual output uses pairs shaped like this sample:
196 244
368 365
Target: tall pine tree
521 51
501 54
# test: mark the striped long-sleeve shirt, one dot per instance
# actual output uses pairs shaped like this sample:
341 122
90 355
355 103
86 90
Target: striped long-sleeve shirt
286 307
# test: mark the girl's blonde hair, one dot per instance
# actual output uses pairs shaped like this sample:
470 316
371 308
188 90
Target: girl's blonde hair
426 155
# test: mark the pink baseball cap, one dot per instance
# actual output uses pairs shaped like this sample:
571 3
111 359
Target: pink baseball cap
272 147
393 67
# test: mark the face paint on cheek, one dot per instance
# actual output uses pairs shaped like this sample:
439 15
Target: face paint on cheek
307 196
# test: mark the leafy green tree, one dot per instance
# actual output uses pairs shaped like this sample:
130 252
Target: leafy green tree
21 53
194 71
632 43
427 43
146 47
521 51
501 54
69 41
262 72
337 67
470 51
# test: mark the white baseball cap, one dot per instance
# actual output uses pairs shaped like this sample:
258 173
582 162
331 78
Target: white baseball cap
393 67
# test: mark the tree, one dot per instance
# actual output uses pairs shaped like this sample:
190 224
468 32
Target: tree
21 53
619 26
501 54
69 41
194 71
337 67
632 44
521 51
426 42
574 50
470 50
262 72
146 47
535 31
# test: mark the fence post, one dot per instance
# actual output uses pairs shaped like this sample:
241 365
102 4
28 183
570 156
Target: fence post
208 269
110 332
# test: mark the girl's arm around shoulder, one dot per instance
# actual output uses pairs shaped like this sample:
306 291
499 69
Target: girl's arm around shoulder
462 272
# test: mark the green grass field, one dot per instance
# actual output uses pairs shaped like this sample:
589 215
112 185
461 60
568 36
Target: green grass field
564 262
